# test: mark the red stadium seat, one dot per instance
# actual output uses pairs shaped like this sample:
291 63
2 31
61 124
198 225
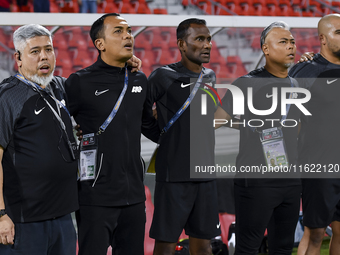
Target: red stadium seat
110 7
141 42
236 66
160 11
54 7
125 6
78 41
336 4
141 7
63 59
81 59
226 220
27 8
60 42
158 42
166 58
69 6
325 10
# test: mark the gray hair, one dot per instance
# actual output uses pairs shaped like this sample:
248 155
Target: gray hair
269 28
22 34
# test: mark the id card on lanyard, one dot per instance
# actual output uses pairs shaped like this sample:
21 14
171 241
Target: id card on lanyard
88 157
273 143
90 143
274 148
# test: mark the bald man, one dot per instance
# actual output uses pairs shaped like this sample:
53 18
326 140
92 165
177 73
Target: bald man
319 138
266 201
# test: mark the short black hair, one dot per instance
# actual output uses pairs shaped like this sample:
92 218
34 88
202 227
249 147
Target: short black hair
183 27
97 28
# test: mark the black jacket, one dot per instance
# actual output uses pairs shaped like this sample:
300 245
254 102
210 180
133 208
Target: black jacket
92 93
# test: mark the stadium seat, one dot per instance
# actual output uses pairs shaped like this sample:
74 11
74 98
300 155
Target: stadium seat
80 59
166 58
109 7
27 8
60 42
69 6
236 67
125 6
141 7
63 59
160 11
325 9
54 7
220 9
336 4
247 8
255 42
225 221
141 42
78 41
158 42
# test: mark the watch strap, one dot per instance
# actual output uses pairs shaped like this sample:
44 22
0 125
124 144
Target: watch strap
2 212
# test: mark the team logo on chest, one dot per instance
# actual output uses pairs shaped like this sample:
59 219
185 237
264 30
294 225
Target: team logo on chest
136 89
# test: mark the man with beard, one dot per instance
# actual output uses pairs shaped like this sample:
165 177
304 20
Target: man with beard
182 201
319 138
38 171
266 201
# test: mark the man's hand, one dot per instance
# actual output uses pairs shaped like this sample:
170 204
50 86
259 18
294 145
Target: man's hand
135 63
6 230
154 111
306 56
79 132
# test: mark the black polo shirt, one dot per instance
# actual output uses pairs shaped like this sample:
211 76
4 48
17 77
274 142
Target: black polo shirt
40 176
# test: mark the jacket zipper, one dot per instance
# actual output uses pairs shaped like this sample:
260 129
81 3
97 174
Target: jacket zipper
100 168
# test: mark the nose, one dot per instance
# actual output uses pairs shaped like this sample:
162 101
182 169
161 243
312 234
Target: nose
291 45
128 35
43 55
207 44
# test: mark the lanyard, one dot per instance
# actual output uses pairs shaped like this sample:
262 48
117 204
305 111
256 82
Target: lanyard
185 105
116 107
284 117
37 88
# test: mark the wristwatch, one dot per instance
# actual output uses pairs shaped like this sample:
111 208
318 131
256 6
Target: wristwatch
2 212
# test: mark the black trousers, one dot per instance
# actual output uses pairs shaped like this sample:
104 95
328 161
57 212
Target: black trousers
258 208
122 227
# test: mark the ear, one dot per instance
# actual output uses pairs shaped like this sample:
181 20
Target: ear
322 39
18 59
181 45
99 43
265 49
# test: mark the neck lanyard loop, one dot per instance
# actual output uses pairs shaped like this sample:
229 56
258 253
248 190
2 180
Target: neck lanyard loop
185 105
116 107
284 117
38 88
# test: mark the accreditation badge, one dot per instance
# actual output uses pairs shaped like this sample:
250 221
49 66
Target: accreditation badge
88 157
274 148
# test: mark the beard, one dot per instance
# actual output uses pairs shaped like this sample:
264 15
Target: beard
289 64
337 53
41 80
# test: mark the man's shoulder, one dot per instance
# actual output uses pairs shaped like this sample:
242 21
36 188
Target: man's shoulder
245 79
310 68
209 73
164 73
11 84
14 93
